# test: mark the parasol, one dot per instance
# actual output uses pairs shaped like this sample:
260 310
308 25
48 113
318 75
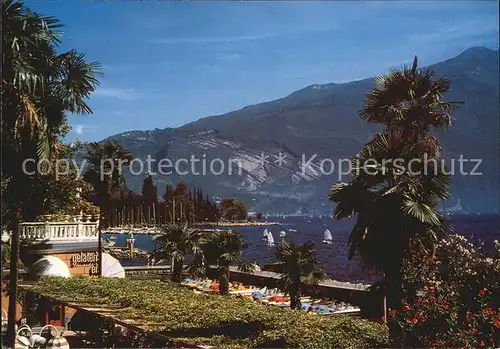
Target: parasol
111 267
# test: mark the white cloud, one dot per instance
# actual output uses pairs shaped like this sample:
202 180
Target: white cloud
80 129
457 31
239 38
125 94
229 57
214 39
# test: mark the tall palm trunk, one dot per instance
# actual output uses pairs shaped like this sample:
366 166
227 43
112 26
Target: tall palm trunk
177 270
224 279
104 217
295 295
99 242
394 301
14 273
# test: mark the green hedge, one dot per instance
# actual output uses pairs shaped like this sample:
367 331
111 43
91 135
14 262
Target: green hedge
212 319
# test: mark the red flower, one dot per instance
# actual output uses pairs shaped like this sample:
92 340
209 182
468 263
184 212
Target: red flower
481 344
392 313
496 322
482 292
412 321
488 312
474 331
443 303
430 289
406 308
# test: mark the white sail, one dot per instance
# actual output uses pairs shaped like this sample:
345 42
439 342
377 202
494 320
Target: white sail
270 239
264 234
327 235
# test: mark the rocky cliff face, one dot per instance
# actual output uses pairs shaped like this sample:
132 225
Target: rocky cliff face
277 156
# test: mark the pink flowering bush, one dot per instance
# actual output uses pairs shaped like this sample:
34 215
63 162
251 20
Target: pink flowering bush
452 300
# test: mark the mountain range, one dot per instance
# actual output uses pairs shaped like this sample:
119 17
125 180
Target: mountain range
323 119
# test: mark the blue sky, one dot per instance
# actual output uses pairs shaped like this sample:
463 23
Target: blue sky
169 63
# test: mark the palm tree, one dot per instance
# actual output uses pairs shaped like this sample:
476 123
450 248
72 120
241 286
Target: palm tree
298 264
223 248
176 241
410 100
38 87
104 166
395 205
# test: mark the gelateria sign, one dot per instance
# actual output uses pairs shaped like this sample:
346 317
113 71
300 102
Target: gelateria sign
86 258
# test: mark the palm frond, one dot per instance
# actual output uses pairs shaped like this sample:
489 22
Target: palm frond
315 278
421 211
247 267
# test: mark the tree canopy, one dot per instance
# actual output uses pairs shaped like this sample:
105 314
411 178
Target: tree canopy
233 209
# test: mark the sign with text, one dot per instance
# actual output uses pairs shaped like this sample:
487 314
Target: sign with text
86 258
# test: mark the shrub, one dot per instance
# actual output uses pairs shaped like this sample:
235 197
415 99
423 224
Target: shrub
454 301
211 319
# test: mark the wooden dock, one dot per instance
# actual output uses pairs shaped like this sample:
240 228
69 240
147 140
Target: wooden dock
165 269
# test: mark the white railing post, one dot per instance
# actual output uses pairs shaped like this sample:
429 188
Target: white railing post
80 232
47 230
73 230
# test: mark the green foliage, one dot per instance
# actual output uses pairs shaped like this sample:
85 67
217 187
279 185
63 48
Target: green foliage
179 205
61 191
149 193
298 263
233 209
396 178
453 299
5 253
104 171
222 248
176 242
214 320
411 100
39 86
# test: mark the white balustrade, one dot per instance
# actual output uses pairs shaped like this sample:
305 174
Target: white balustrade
59 231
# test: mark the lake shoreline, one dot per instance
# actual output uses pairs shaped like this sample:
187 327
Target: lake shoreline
235 224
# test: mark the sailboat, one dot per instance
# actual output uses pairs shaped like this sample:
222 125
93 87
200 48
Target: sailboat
327 237
264 234
270 239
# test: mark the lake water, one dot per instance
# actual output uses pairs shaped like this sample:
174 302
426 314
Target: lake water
334 256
